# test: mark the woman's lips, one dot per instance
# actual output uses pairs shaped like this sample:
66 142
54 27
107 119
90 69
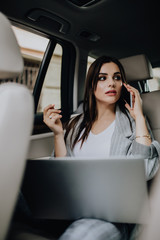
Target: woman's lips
111 93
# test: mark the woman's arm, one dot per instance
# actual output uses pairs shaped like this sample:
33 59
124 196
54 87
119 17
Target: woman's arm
142 133
51 118
143 144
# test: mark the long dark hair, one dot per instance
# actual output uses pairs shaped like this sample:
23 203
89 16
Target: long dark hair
89 104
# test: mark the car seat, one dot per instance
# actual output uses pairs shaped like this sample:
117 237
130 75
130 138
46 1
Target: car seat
138 68
16 122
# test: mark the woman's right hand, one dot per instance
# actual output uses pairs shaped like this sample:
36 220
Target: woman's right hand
51 118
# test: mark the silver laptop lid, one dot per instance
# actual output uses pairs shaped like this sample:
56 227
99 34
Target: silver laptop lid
67 188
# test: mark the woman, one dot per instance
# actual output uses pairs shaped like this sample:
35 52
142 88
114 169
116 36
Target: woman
108 126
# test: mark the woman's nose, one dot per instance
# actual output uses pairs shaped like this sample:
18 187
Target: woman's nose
111 81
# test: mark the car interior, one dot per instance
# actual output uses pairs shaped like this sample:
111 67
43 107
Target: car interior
19 100
46 48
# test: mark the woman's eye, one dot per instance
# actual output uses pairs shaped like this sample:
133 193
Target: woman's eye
101 78
117 77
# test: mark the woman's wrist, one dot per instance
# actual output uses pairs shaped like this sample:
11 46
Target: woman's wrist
141 128
140 118
59 145
59 135
142 134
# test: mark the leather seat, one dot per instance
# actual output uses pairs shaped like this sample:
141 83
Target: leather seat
16 123
138 68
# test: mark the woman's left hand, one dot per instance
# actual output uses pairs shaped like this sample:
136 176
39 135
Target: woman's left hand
136 110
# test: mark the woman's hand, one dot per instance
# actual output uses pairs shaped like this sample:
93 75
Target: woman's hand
51 118
136 110
142 133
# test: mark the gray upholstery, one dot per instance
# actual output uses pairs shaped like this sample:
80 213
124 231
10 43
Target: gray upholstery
151 230
16 123
11 62
151 107
137 68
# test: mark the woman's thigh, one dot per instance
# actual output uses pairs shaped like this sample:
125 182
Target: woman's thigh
91 229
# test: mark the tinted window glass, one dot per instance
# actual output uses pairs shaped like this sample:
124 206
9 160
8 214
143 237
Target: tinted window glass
51 91
32 47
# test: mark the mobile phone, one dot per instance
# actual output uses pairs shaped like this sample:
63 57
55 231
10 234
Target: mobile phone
131 103
127 96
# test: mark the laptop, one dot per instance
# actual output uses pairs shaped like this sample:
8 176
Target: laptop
67 188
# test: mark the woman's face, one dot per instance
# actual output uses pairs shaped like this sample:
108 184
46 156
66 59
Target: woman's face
109 84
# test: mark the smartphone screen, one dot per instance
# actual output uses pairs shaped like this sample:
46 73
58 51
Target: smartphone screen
127 96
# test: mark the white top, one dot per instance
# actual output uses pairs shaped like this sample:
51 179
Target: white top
96 144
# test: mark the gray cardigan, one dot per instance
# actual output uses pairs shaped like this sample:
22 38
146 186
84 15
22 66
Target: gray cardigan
123 143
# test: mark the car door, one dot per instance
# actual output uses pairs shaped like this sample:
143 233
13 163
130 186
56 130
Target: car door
49 65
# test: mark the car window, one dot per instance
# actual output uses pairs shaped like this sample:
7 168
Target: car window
154 84
32 47
51 91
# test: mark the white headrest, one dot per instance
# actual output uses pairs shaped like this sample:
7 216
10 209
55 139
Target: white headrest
11 62
137 68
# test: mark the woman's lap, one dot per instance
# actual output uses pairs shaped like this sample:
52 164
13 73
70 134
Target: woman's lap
86 229
91 229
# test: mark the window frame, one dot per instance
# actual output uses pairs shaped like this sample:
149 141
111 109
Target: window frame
67 77
42 72
67 82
